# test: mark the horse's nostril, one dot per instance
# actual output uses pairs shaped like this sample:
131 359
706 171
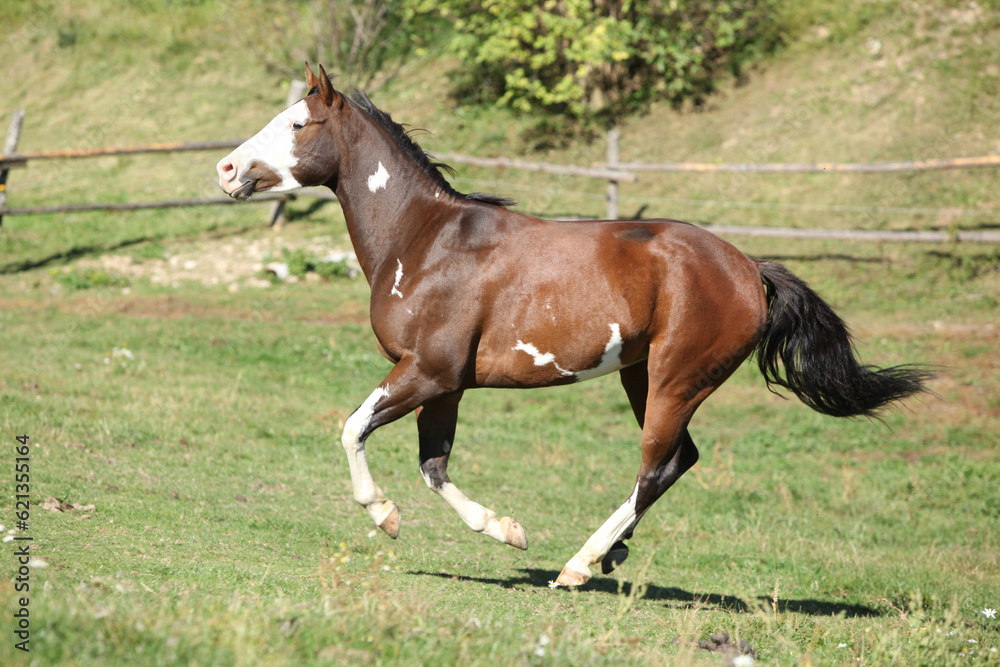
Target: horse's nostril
227 169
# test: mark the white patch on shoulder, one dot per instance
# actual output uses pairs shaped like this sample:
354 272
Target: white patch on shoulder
399 271
610 360
540 359
378 180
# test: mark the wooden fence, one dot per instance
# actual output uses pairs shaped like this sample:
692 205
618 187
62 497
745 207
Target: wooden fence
612 171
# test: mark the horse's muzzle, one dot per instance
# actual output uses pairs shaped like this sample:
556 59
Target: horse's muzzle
246 190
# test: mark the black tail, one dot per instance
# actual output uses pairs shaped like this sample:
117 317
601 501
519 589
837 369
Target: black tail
817 353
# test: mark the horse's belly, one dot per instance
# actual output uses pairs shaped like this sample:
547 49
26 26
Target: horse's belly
549 358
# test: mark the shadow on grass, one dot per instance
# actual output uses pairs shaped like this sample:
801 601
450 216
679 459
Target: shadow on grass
66 256
292 215
541 578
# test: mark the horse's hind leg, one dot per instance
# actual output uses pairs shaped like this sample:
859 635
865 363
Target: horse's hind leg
635 381
667 453
659 470
436 421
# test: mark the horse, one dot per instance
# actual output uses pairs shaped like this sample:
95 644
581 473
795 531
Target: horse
468 293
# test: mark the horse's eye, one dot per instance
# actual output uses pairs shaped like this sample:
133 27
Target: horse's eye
296 126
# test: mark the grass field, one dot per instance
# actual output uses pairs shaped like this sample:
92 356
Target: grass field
224 531
202 422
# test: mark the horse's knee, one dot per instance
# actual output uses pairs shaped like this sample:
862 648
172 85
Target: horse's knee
434 473
350 437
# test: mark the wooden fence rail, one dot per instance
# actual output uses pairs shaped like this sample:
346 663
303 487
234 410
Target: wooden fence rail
21 159
318 193
613 172
818 167
877 235
600 173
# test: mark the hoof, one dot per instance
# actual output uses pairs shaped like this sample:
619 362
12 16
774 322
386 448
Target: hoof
570 577
614 558
391 523
513 533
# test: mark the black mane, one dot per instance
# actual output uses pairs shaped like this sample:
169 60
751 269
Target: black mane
417 154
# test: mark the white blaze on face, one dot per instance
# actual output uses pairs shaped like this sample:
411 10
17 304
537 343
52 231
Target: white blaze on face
378 180
274 146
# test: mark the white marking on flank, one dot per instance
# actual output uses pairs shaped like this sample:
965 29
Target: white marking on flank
399 273
610 360
540 359
378 180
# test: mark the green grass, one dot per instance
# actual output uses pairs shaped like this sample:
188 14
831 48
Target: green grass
224 529
224 514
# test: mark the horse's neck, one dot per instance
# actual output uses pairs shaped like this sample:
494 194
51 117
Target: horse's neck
382 193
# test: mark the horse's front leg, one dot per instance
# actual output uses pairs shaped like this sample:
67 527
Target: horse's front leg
436 421
403 390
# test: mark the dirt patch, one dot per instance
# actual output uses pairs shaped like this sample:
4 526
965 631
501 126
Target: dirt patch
234 262
169 306
737 653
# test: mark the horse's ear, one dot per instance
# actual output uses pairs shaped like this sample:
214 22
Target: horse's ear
311 80
326 90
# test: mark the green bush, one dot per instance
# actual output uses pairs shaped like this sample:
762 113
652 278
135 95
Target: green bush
600 61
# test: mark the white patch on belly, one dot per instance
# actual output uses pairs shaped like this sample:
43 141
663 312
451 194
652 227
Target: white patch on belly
610 360
378 180
399 270
540 359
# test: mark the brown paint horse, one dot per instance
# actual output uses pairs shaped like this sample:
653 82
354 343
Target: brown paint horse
466 293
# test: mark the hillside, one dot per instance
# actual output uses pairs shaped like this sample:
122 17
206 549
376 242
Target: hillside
867 82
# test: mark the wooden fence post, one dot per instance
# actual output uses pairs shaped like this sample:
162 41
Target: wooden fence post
10 146
613 136
276 216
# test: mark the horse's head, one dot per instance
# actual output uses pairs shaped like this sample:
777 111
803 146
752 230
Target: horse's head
296 149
